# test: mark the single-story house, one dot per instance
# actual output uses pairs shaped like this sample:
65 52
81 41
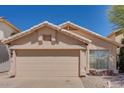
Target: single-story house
68 49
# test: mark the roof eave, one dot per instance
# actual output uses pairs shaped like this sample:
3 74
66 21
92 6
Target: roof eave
9 24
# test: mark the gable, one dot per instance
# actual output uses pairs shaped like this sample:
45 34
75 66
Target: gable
59 40
87 33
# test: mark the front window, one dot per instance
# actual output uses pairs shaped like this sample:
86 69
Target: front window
99 59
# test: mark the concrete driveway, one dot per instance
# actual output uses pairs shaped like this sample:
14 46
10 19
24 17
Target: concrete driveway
45 82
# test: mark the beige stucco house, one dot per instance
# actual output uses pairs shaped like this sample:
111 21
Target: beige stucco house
47 49
6 30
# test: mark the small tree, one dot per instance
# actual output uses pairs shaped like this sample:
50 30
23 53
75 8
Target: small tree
116 16
121 57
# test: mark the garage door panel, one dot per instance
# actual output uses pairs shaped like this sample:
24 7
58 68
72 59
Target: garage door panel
46 58
40 64
47 62
32 53
44 74
46 68
60 70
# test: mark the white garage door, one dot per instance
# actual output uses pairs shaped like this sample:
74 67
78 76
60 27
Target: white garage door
39 63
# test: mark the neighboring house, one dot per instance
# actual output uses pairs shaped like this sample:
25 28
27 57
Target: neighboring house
6 30
60 50
117 36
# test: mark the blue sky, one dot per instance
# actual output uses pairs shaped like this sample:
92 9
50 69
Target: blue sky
92 17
